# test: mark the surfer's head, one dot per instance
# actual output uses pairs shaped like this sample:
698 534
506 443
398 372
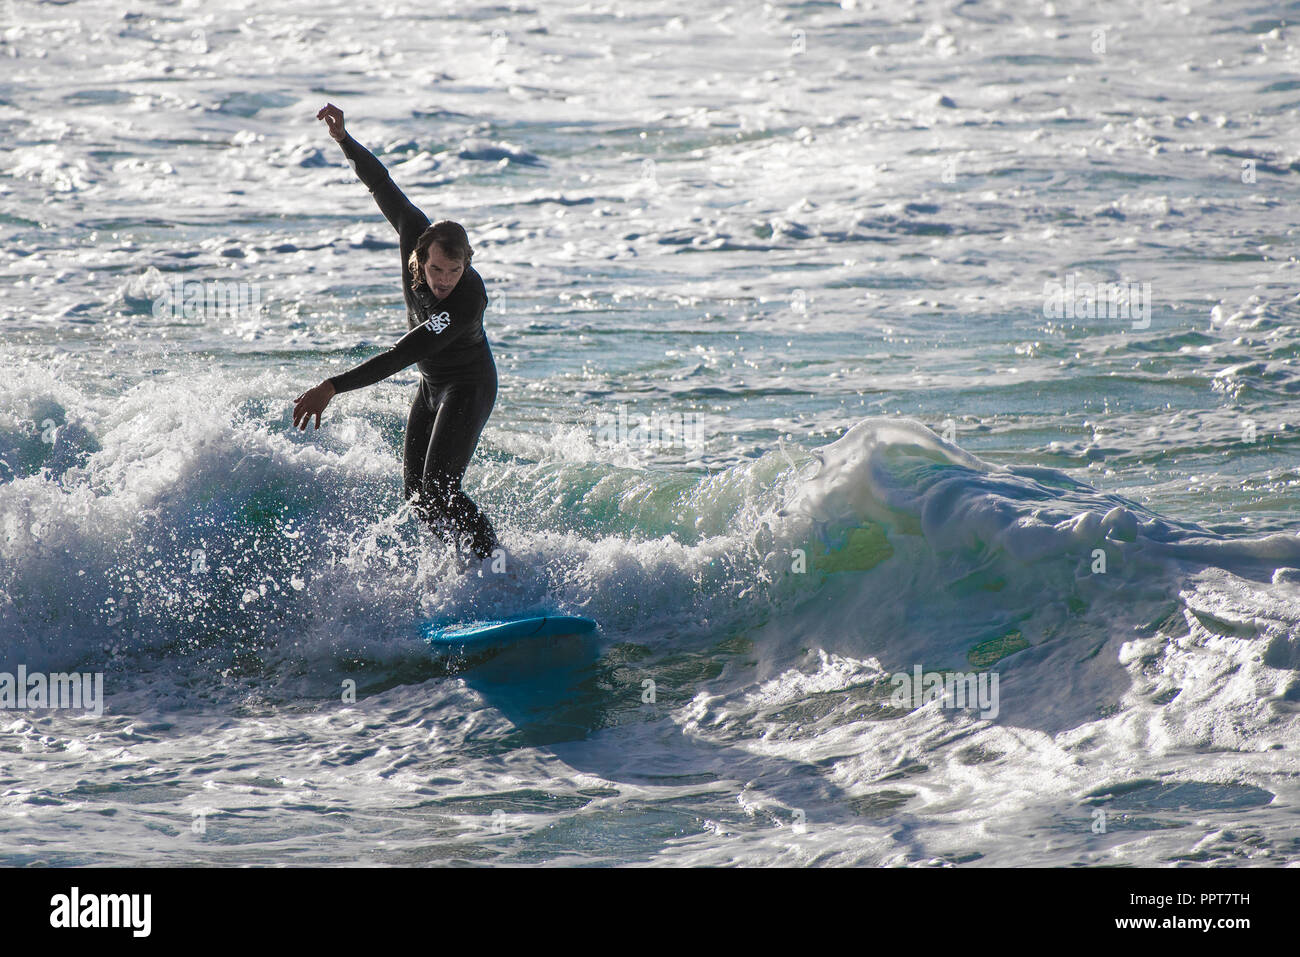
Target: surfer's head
440 257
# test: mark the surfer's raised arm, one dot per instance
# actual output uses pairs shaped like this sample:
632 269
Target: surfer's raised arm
404 216
409 222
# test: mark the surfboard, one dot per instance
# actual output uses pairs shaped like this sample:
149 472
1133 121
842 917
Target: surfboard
525 667
489 635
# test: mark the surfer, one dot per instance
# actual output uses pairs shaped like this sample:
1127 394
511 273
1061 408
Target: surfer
445 299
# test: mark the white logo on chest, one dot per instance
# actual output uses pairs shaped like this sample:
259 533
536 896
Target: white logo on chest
439 322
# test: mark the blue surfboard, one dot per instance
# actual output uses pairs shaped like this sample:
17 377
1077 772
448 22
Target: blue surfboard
491 635
522 664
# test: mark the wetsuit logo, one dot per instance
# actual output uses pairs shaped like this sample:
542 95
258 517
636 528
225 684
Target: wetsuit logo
439 322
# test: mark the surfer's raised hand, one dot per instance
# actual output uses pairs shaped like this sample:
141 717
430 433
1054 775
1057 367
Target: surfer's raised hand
333 118
312 402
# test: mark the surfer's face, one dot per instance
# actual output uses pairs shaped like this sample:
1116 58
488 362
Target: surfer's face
440 272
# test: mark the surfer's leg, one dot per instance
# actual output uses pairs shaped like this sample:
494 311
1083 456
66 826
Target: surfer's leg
462 411
419 426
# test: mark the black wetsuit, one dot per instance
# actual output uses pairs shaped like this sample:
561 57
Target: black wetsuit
458 378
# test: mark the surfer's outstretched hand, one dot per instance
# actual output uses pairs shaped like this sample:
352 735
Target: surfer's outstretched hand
312 402
333 118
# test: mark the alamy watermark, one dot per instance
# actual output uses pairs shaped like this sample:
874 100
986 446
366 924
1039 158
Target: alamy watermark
656 430
1097 300
129 911
953 689
210 299
73 691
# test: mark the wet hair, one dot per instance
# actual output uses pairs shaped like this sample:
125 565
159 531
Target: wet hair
451 239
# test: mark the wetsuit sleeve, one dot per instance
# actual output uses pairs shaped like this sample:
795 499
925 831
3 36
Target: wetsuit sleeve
457 317
408 350
404 216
